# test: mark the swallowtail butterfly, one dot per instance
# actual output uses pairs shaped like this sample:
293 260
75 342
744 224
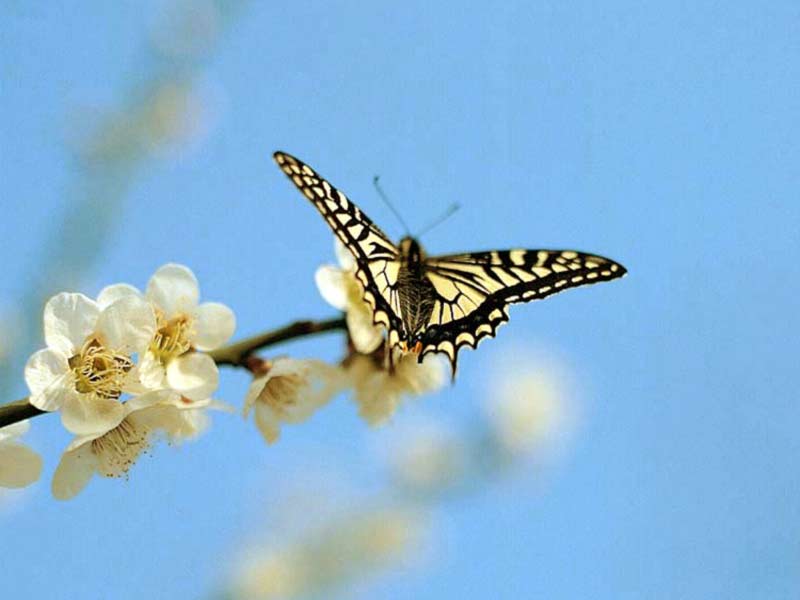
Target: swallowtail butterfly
441 303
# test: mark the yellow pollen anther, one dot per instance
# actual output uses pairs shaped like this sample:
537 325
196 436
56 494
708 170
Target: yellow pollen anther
172 337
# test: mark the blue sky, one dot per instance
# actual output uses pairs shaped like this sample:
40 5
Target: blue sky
663 135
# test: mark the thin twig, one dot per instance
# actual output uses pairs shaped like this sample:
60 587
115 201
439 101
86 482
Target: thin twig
237 354
234 355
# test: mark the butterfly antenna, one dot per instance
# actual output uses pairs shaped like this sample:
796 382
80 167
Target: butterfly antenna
447 214
385 198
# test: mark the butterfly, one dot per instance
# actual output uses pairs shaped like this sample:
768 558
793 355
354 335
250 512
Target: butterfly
440 304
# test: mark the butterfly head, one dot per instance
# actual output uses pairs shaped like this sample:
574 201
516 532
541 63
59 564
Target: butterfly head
411 251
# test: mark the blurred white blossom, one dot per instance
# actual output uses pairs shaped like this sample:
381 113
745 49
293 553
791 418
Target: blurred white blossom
88 363
290 392
428 456
113 453
345 551
340 288
378 392
179 115
19 465
530 409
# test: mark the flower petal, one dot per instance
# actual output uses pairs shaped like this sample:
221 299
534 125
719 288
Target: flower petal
332 286
80 440
43 368
68 320
15 430
19 465
84 415
376 406
215 325
420 378
127 325
253 392
174 289
188 425
193 375
177 423
151 372
366 336
111 293
132 383
267 423
344 256
149 399
56 394
74 472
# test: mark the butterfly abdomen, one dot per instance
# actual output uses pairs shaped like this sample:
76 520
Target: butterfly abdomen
417 294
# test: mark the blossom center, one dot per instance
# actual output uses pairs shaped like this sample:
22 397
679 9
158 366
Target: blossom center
172 337
100 371
282 392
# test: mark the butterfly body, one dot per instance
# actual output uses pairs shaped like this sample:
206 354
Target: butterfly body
443 303
416 293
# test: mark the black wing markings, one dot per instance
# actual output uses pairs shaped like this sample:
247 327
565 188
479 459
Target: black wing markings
372 249
490 282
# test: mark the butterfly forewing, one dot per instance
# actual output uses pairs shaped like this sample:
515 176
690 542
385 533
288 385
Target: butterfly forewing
473 291
376 256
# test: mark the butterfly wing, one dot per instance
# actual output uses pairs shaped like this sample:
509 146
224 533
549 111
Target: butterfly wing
473 291
376 256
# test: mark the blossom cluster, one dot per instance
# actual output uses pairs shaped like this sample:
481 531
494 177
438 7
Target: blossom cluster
129 366
124 367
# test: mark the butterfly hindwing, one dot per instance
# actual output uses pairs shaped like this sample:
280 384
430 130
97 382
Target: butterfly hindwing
474 290
375 255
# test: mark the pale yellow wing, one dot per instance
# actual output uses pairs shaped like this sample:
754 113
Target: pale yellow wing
474 290
375 255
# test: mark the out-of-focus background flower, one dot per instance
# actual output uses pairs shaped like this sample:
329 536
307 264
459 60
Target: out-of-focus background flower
633 439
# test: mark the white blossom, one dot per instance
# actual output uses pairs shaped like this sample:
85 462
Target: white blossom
290 392
182 325
89 360
340 288
378 392
19 465
113 453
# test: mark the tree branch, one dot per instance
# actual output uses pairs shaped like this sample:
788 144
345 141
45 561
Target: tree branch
234 355
13 412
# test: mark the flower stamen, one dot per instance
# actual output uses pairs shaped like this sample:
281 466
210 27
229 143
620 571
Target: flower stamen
281 393
100 371
118 449
172 337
